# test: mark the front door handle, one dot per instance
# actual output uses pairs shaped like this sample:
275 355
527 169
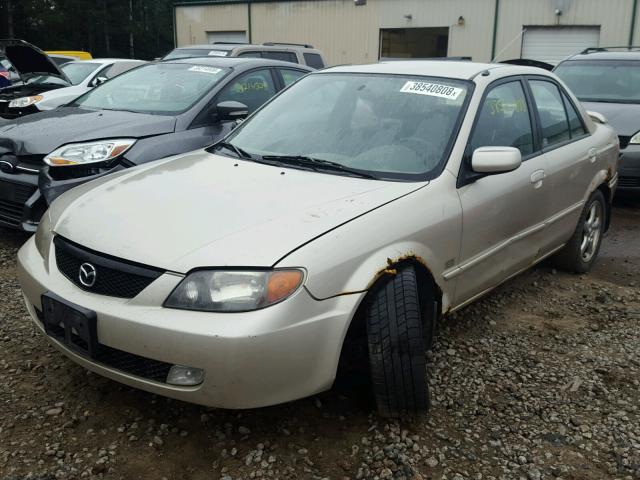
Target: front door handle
593 155
537 177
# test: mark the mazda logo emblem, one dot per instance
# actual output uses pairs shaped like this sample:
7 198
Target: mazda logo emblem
87 275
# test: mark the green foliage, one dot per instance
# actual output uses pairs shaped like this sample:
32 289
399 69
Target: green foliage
101 27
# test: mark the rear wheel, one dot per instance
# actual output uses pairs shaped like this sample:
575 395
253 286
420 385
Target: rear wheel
581 251
396 340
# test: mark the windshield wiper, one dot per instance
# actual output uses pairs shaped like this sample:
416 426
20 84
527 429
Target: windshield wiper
316 164
237 150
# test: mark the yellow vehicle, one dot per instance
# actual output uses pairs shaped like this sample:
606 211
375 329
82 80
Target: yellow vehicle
77 54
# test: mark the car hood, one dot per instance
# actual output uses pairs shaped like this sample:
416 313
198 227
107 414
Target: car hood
205 210
28 59
623 117
74 124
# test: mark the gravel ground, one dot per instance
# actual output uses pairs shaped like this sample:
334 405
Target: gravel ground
539 380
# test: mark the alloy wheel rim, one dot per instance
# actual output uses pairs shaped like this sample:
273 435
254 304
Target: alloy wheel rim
591 232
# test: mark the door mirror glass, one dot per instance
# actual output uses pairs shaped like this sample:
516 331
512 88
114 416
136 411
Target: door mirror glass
231 110
495 159
98 81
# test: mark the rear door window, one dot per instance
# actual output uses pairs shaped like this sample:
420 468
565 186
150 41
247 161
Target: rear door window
504 120
251 88
289 76
313 60
250 54
553 117
282 56
575 122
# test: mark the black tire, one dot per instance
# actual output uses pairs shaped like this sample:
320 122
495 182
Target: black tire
572 257
397 347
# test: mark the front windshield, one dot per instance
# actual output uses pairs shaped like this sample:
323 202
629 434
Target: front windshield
160 88
195 52
391 126
616 81
78 71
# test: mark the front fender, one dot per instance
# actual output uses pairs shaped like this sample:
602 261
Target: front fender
424 226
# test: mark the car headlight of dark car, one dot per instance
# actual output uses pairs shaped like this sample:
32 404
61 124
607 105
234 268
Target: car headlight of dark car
234 290
100 151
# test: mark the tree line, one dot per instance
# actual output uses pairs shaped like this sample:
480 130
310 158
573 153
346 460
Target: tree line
106 28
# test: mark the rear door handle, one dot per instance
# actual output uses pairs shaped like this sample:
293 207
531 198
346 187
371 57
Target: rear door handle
537 177
593 155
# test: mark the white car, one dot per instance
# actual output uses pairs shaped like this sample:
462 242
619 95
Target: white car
351 210
84 75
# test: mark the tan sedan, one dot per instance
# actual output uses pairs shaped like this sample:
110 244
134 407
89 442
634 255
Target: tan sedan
351 210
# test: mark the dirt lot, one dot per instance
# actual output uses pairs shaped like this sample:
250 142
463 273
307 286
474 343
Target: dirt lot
539 380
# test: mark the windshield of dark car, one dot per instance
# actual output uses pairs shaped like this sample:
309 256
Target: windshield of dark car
160 88
78 71
195 52
390 125
615 81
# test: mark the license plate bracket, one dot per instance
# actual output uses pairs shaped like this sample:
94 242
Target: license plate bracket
76 327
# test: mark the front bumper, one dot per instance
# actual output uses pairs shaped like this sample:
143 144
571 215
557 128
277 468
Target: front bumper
270 356
629 170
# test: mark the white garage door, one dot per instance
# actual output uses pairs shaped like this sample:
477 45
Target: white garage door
552 44
237 37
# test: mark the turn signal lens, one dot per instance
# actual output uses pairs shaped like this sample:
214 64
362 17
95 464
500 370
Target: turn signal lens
281 284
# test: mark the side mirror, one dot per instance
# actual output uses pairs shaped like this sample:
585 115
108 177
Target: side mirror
597 117
98 81
231 110
495 159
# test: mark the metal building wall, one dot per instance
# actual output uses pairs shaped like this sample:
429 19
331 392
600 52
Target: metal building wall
193 22
350 34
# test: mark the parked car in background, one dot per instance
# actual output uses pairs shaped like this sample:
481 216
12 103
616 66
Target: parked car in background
151 112
36 72
286 52
359 204
83 76
607 80
73 54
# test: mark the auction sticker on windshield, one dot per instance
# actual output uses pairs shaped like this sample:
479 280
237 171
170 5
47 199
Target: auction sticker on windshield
433 89
200 68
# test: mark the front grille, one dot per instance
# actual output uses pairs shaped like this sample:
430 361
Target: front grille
624 141
120 360
629 182
11 210
113 277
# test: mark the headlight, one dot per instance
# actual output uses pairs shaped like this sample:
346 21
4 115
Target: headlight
90 152
635 140
234 291
24 101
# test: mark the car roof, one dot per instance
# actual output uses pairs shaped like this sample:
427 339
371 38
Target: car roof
230 46
606 55
236 62
462 70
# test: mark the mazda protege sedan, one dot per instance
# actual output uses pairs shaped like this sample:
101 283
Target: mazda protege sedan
351 210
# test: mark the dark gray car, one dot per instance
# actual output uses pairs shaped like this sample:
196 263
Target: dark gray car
608 81
151 112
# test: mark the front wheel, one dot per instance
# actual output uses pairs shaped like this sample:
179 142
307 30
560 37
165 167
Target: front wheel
395 334
579 254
